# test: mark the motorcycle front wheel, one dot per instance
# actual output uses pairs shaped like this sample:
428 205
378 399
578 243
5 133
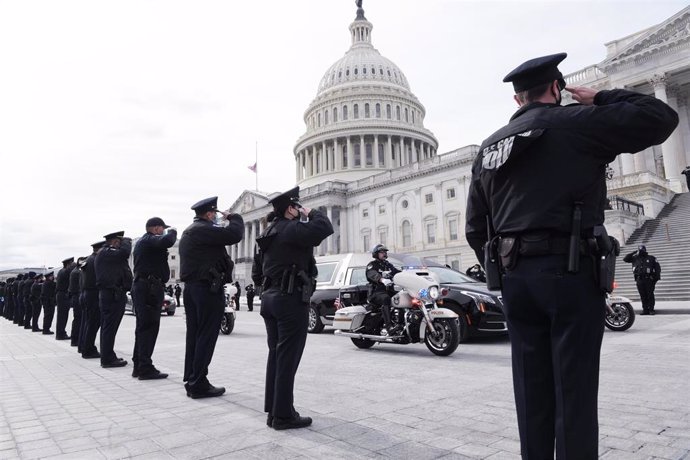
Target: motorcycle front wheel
227 324
445 338
620 318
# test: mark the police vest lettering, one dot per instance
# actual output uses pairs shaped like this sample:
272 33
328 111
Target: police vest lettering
496 155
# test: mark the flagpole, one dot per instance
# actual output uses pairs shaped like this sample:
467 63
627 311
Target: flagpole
256 165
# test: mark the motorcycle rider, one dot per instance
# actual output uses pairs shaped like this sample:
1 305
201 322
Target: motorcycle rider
380 274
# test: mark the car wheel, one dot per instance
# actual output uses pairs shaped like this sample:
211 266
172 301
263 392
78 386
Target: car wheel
315 324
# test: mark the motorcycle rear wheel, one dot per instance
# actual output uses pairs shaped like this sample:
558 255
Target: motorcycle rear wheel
363 343
621 319
446 339
227 323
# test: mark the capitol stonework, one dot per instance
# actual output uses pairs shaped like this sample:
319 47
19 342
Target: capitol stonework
369 163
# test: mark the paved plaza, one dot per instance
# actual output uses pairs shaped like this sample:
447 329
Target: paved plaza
388 402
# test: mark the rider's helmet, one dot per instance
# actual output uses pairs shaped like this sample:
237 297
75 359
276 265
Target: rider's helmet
378 248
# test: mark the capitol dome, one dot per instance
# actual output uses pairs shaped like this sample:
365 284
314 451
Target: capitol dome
364 119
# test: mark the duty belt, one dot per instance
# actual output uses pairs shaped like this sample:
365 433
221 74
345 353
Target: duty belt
538 244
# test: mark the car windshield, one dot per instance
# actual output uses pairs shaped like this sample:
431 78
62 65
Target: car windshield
450 276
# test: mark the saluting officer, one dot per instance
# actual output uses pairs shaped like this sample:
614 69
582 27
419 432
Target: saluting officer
540 180
205 267
48 301
35 295
285 265
113 279
151 272
62 297
89 300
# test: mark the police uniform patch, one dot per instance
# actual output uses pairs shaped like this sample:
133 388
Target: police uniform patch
370 266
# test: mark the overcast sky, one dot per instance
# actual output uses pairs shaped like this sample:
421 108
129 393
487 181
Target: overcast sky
112 112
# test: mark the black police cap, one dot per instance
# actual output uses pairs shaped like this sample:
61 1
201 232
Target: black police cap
155 222
535 72
110 236
31 275
49 274
282 201
68 261
206 205
98 244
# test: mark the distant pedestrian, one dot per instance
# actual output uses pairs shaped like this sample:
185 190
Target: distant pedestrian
647 272
686 172
249 289
151 272
205 267
113 279
178 293
236 297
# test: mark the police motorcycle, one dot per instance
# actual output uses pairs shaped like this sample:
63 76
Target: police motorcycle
620 314
413 307
227 323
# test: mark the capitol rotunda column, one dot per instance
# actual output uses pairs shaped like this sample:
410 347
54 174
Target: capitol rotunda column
670 156
684 125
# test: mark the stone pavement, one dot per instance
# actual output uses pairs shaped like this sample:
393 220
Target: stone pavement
387 402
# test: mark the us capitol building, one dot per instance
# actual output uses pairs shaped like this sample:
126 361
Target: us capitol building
369 163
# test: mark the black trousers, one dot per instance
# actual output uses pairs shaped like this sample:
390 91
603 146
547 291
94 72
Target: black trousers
48 312
383 300
82 323
9 307
556 325
204 312
63 305
35 313
28 312
92 319
19 310
286 318
250 303
76 318
147 298
645 286
112 305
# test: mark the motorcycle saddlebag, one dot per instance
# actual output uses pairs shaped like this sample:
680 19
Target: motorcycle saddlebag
349 318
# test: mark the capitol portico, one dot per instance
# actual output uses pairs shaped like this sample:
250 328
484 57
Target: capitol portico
368 162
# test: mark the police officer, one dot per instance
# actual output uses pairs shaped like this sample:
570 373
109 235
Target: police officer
286 266
249 289
63 301
17 298
380 273
91 316
26 296
74 292
35 295
48 302
205 267
178 293
113 279
538 181
151 272
9 299
647 272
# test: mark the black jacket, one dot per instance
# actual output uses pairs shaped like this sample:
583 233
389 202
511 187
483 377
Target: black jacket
48 292
87 275
375 271
74 281
202 247
35 293
151 255
62 283
528 175
112 266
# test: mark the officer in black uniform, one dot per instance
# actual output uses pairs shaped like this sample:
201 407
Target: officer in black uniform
63 301
380 273
91 318
538 181
205 267
28 305
9 299
151 272
48 302
647 273
286 266
35 295
113 279
74 292
249 289
17 298
3 298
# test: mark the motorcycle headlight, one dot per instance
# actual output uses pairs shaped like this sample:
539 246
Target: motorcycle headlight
433 292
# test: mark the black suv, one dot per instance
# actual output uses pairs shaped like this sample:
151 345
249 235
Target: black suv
479 309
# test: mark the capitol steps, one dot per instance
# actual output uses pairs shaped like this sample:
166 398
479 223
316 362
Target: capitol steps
667 237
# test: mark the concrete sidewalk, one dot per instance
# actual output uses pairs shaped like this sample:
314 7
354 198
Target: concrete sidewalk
388 402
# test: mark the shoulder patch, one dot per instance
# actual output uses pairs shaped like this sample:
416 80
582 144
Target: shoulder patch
370 266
